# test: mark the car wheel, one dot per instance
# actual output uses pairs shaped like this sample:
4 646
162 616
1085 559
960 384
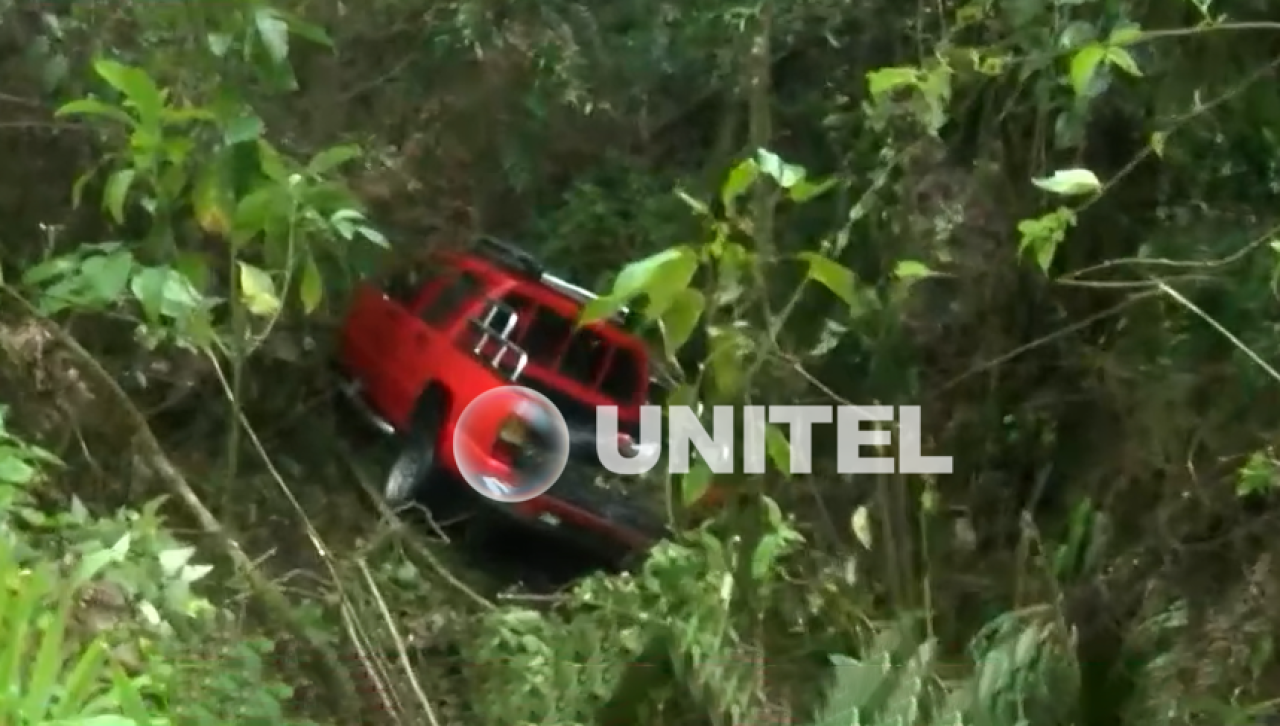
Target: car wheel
414 471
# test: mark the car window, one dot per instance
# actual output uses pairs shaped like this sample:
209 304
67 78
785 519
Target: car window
545 335
585 358
446 301
624 378
403 284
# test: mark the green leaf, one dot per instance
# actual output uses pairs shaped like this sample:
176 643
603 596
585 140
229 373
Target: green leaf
218 43
911 270
136 85
1070 182
885 80
242 129
832 275
43 681
77 189
772 166
804 190
681 318
311 288
301 28
258 291
273 32
659 277
82 682
163 291
860 525
739 180
95 562
94 107
1125 34
778 448
211 200
117 192
14 471
173 560
108 275
1084 65
1122 59
333 157
724 362
695 485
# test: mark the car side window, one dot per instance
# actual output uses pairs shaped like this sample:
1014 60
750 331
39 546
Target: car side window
453 295
545 336
585 358
625 377
403 284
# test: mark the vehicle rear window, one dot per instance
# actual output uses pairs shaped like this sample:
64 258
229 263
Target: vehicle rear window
444 302
554 342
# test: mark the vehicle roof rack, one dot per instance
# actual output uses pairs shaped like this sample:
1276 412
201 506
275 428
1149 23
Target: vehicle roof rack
520 260
509 254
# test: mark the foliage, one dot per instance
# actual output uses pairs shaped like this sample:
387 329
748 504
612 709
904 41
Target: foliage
1051 224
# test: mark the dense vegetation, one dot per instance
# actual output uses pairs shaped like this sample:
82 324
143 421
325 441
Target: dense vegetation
1052 224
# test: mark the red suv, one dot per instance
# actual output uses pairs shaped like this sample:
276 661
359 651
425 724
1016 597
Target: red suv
413 355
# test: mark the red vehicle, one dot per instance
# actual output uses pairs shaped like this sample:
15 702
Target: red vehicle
413 355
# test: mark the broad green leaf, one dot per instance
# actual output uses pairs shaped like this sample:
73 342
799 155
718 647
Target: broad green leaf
274 33
258 210
739 180
43 682
658 277
219 43
311 287
302 28
211 201
272 162
117 192
15 471
95 562
600 308
94 107
241 129
724 362
82 682
694 204
1125 34
695 485
258 291
1084 64
1123 59
681 318
885 80
173 560
163 291
77 189
804 190
332 158
911 270
1070 182
136 85
1157 142
108 275
772 166
832 275
778 448
860 525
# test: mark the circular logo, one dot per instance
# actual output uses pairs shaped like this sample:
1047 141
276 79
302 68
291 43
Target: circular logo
511 444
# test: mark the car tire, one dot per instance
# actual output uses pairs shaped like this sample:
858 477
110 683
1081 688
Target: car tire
414 472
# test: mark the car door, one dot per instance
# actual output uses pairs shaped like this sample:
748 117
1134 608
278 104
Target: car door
421 344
